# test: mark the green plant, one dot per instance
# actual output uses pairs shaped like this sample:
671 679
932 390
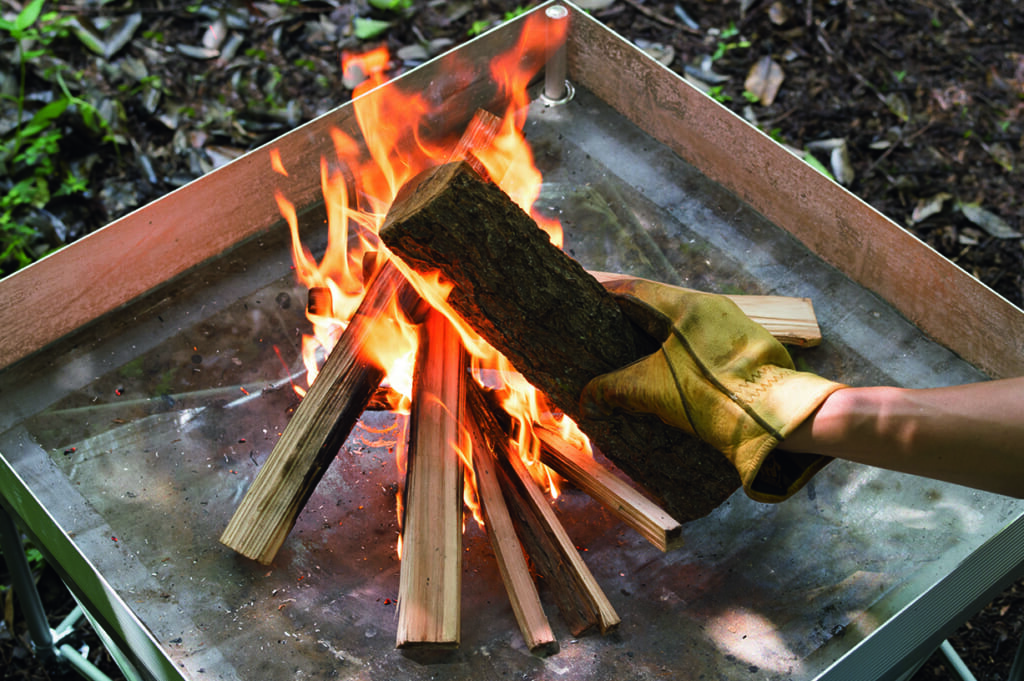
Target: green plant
30 152
751 96
725 45
366 29
717 93
518 11
35 563
478 27
812 161
391 5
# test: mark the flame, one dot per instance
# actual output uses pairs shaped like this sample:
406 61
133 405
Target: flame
470 493
398 140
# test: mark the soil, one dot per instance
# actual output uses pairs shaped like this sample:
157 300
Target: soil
926 97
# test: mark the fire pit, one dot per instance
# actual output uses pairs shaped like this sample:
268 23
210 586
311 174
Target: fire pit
135 422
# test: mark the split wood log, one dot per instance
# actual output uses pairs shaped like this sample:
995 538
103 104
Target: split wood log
515 573
576 609
582 601
317 429
601 484
790 319
622 500
430 582
555 323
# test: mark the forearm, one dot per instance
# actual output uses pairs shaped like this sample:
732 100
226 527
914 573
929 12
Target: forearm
970 434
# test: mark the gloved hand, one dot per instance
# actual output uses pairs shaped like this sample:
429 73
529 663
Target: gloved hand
719 376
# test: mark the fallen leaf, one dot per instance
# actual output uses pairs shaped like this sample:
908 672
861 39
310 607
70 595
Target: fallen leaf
839 158
779 13
898 105
842 168
704 71
764 80
664 54
988 221
926 208
1001 154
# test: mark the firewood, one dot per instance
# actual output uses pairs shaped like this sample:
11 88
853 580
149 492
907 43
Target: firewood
791 320
317 429
553 571
515 573
583 602
431 573
479 133
555 323
623 501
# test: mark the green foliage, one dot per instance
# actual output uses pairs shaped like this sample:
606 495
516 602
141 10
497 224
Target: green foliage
725 45
478 27
717 93
366 29
35 562
391 5
481 25
518 11
30 153
751 97
818 165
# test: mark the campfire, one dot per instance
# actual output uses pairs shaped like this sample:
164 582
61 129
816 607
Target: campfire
444 294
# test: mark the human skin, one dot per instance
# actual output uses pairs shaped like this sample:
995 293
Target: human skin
970 434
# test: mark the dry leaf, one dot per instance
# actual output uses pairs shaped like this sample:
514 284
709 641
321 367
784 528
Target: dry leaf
926 208
764 80
988 221
1001 154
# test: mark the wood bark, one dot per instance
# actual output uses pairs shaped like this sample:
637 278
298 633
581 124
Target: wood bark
553 321
317 429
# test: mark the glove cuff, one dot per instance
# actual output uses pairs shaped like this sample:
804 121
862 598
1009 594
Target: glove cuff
771 475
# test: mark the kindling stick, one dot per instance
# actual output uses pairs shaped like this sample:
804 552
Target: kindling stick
431 574
317 430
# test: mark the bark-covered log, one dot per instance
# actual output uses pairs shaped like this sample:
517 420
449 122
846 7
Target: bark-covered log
551 319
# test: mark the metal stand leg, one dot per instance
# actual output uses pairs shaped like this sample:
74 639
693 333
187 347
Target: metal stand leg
954 659
45 641
1017 668
25 587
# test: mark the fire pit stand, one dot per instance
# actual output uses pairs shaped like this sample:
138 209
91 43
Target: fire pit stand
131 425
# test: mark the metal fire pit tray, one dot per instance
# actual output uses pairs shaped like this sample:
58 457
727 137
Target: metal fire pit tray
149 370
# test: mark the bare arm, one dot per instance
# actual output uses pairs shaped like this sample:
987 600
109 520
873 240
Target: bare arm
970 434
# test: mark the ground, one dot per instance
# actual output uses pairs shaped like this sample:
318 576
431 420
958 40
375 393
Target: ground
917 107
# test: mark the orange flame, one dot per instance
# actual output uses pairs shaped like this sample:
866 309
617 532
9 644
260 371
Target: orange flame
397 141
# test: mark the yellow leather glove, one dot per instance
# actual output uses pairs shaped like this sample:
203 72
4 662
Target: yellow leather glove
719 376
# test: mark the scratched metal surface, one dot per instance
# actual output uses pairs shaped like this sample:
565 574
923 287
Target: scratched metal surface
142 444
